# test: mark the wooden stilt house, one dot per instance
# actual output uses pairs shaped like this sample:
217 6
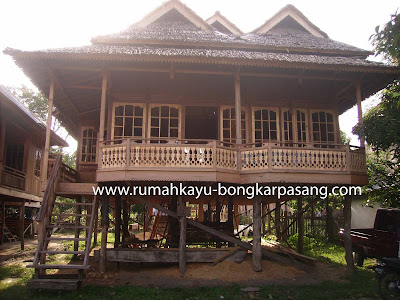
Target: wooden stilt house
159 103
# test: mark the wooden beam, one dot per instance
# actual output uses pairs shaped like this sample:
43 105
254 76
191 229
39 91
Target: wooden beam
256 254
238 109
118 208
224 236
347 235
48 131
89 111
84 87
103 106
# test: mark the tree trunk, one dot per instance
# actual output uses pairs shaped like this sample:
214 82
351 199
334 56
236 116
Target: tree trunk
347 235
256 254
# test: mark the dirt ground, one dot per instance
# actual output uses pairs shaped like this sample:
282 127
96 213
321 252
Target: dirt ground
197 274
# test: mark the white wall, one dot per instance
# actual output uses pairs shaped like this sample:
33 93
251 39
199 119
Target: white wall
361 216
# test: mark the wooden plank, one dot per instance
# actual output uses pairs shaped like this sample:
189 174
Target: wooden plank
64 239
226 237
226 255
169 255
70 267
53 284
62 252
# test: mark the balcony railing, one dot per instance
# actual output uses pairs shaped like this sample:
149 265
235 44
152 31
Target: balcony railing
12 178
216 155
67 174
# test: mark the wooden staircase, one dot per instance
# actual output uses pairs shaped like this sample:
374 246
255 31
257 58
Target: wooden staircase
81 219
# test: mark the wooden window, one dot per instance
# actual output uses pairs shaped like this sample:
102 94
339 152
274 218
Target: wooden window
38 160
89 145
294 126
164 121
128 121
323 128
15 156
266 125
228 118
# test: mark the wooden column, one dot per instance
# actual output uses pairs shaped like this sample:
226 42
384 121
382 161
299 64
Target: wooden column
117 221
21 224
312 217
359 109
278 228
264 218
125 218
238 110
268 219
300 213
236 216
2 138
347 234
96 222
329 221
48 131
182 236
201 212
230 212
104 232
256 254
3 221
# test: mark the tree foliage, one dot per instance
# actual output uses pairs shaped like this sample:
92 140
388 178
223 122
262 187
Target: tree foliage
381 124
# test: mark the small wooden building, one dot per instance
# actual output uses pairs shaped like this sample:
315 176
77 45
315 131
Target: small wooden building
159 103
22 139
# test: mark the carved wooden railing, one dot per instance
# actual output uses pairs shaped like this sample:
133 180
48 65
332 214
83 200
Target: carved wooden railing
67 174
12 178
211 154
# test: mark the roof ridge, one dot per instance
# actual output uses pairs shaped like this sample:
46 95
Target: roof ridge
228 24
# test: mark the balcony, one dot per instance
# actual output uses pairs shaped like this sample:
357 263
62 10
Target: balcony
12 178
210 160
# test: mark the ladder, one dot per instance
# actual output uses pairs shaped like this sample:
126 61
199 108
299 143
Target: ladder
52 216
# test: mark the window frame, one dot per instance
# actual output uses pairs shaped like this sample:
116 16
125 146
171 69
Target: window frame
83 128
334 123
278 123
295 121
245 120
116 104
149 117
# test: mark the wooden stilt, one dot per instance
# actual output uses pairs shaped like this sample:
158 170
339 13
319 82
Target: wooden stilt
117 221
236 215
329 221
125 218
278 228
45 163
104 232
182 237
312 217
201 212
3 220
300 242
256 254
96 224
347 234
268 218
264 218
21 224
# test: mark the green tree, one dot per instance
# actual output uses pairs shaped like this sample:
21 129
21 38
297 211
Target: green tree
381 124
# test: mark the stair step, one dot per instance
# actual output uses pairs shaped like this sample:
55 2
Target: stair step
77 267
67 226
75 203
64 239
62 252
54 284
71 215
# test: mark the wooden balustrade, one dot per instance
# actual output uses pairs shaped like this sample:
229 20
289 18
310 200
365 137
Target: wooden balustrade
12 178
213 155
67 174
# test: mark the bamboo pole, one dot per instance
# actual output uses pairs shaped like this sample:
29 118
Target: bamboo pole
48 131
256 254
